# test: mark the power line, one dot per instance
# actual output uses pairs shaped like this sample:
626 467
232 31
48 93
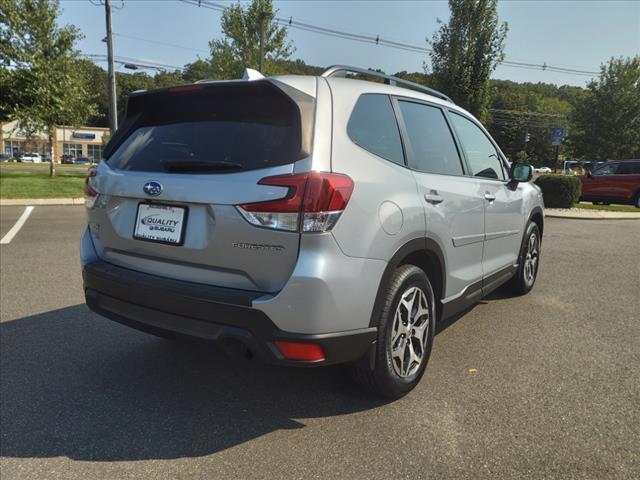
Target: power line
519 119
100 3
131 61
377 40
520 112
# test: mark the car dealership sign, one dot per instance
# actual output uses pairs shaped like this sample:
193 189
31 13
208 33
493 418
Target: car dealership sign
84 136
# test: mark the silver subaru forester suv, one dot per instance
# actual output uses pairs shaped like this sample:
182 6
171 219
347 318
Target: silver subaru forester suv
306 220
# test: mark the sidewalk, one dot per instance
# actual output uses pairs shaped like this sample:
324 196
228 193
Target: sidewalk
585 214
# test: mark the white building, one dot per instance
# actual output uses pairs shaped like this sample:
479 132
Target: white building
77 142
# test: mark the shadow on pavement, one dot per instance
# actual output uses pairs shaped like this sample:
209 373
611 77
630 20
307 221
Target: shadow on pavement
76 385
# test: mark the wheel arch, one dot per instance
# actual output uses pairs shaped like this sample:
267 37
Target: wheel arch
424 253
537 217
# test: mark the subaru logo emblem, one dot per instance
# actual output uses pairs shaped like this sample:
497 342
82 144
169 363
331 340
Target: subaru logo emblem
152 188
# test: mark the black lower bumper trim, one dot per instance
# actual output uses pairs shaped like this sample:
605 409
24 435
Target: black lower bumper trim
165 306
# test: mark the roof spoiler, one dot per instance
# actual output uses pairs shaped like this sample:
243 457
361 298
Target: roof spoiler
249 75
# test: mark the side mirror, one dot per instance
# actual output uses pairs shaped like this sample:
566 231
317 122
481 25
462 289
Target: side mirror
521 172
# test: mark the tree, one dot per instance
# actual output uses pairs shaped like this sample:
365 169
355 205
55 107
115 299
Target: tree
167 79
416 77
241 46
607 118
98 93
465 52
41 68
198 70
127 83
529 110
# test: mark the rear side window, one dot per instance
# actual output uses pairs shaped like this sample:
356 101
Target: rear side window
373 126
480 152
433 149
629 168
209 129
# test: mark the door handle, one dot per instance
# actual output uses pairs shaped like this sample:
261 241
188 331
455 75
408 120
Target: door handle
433 198
489 196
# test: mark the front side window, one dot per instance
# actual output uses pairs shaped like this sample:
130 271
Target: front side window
433 149
610 169
481 154
373 127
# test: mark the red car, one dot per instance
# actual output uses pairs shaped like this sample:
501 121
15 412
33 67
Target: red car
613 182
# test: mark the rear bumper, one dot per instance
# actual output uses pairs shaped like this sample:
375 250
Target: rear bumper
222 315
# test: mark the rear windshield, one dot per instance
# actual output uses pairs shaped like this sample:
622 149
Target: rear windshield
208 129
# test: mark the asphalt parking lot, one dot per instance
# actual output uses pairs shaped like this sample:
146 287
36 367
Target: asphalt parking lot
555 392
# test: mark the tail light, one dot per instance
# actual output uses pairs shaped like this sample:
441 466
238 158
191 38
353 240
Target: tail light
90 193
313 203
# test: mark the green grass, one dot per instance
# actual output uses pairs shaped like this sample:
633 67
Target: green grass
37 184
609 208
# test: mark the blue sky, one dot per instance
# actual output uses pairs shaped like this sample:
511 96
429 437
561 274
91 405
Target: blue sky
576 34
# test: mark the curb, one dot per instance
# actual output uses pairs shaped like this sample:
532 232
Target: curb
8 202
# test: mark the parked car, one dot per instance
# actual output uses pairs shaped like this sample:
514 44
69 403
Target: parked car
543 170
82 161
67 159
6 158
306 220
613 182
32 157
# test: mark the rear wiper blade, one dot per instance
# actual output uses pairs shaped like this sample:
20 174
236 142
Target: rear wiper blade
197 166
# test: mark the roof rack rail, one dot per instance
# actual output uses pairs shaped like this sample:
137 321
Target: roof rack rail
343 70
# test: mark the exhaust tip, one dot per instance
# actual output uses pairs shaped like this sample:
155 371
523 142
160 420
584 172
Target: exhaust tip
235 348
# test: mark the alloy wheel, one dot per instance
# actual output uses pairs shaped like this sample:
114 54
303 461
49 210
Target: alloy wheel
531 259
409 332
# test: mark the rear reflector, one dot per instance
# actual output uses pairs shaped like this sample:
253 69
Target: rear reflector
303 352
313 203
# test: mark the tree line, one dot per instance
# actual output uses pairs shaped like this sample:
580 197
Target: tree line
44 81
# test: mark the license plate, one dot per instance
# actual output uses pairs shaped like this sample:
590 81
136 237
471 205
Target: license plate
160 223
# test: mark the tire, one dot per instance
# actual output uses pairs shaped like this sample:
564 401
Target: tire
398 367
637 200
528 261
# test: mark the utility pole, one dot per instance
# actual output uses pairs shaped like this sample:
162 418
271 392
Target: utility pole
113 111
263 15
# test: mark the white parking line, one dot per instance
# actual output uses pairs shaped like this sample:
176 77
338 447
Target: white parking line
16 228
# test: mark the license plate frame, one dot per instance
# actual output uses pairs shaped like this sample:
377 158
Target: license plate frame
159 207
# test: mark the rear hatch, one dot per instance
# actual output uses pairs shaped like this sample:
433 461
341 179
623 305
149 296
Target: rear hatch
181 162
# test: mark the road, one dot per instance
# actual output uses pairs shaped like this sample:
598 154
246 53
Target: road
555 392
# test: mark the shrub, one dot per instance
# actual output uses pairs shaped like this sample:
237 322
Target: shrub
559 191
